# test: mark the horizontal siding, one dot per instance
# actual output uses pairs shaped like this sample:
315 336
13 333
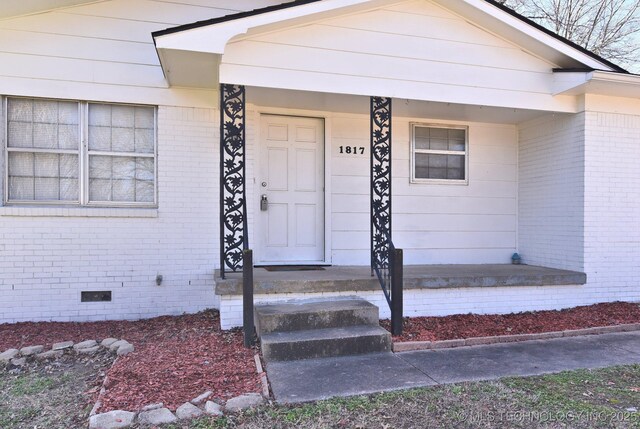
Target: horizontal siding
411 51
331 61
102 48
434 223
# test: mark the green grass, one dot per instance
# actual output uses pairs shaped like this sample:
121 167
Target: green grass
47 396
31 384
575 399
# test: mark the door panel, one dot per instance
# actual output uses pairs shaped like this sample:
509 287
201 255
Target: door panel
291 176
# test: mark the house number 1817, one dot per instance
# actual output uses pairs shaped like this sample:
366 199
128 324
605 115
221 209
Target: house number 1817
352 150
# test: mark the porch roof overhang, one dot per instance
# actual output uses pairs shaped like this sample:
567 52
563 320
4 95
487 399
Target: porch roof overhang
192 55
580 82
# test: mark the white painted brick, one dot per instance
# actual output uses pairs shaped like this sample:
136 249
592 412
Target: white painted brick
66 255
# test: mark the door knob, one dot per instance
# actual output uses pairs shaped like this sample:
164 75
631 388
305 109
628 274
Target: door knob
264 203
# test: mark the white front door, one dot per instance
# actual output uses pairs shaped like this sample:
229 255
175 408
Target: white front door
291 183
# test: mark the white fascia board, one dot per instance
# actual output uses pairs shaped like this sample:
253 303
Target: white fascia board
213 38
603 76
534 33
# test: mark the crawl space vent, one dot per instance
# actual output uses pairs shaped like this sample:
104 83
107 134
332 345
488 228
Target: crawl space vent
95 296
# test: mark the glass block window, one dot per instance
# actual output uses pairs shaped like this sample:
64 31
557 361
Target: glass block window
121 154
43 150
49 161
439 153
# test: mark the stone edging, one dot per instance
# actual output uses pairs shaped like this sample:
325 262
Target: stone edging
406 346
263 376
157 414
17 357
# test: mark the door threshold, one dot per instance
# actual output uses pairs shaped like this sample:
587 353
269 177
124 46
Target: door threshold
286 264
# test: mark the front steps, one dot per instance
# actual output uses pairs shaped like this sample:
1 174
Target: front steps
319 329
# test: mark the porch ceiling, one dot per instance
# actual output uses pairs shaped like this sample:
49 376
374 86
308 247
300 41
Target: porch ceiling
268 98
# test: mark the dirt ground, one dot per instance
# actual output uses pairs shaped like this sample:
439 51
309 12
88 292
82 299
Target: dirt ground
176 358
51 395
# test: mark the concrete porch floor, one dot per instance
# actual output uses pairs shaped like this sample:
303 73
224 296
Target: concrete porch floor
358 278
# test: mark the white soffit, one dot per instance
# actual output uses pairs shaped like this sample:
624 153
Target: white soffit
190 69
11 8
598 82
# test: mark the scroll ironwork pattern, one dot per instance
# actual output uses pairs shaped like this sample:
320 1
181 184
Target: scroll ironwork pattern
233 209
380 186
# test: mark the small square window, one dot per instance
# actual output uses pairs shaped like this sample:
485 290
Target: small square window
439 154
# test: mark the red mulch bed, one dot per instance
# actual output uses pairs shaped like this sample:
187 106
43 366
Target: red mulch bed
533 322
175 358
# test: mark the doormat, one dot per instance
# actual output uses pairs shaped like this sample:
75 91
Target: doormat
292 268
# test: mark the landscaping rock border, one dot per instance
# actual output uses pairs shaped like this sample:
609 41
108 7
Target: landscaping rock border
263 376
406 346
20 357
156 414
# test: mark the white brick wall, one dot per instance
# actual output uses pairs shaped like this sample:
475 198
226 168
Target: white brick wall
48 258
435 302
551 191
612 205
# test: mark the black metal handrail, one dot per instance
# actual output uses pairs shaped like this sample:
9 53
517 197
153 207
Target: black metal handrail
390 273
247 297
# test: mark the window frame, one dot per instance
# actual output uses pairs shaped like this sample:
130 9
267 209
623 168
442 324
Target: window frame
412 158
83 158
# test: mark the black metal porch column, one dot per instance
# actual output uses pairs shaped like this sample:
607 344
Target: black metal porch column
380 182
233 206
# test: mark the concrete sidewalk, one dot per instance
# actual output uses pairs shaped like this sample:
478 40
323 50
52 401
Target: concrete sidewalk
316 379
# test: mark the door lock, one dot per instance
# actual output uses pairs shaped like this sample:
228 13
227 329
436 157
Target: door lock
264 203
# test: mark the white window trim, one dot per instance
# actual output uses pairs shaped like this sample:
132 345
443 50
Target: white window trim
412 155
83 159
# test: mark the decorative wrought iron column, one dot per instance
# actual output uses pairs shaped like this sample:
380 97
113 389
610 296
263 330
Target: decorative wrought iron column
233 206
380 183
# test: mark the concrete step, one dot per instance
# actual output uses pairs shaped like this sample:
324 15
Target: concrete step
327 342
306 315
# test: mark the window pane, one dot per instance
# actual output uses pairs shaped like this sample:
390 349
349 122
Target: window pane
20 134
20 109
45 136
455 167
68 137
122 116
144 141
433 166
122 140
43 176
431 138
121 128
144 118
99 115
121 179
99 138
43 124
